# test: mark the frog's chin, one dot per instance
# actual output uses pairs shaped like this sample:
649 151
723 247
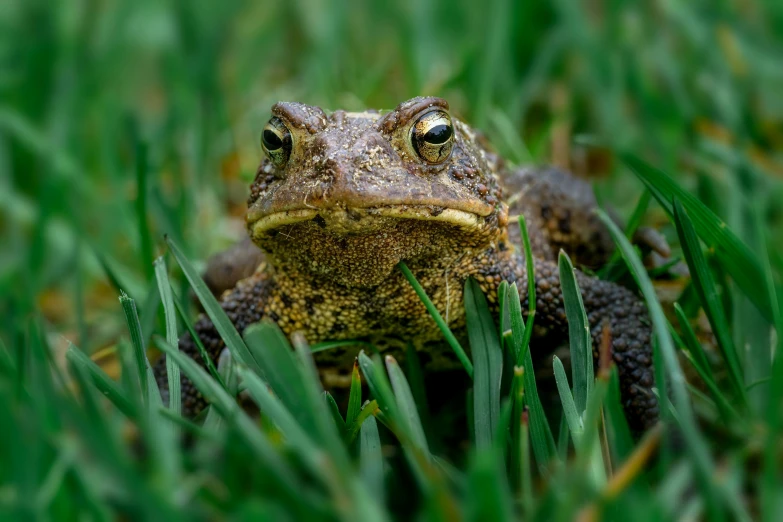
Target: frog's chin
357 220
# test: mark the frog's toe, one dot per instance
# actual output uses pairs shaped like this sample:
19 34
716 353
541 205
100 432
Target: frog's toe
649 238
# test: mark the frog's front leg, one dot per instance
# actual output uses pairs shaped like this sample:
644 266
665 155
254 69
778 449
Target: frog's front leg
244 305
225 269
606 304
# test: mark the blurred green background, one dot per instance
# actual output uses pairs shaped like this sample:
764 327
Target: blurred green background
124 121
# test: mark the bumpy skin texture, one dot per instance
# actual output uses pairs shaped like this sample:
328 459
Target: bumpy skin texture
354 198
559 210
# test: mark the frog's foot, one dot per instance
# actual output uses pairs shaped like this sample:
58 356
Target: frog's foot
650 240
656 253
655 248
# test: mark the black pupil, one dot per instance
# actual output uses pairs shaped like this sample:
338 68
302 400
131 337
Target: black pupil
438 134
271 140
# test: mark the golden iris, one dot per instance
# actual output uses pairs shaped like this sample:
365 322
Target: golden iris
276 140
432 136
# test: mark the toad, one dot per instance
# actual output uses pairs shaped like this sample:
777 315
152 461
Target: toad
341 198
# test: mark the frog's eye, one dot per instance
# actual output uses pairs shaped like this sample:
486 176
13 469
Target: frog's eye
432 136
276 140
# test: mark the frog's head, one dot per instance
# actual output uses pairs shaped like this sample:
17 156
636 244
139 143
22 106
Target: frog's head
349 195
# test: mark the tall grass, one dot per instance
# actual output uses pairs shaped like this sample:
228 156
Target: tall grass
122 122
67 455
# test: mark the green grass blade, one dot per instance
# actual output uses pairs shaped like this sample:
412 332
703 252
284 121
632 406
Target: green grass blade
367 412
328 435
7 365
753 334
618 433
281 370
615 267
516 324
708 295
354 396
563 436
101 381
371 460
590 450
530 268
394 419
690 341
516 453
214 422
406 404
143 226
504 321
433 311
379 387
504 424
213 309
137 343
334 412
149 314
98 432
578 334
698 452
488 364
170 313
299 439
699 361
530 272
160 437
567 400
771 483
329 345
118 279
489 497
205 358
541 438
526 471
416 380
261 447
163 439
188 425
733 254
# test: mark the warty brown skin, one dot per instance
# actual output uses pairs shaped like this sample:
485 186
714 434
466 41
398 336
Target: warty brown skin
354 197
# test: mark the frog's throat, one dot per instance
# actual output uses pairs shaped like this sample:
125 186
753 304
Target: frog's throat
347 219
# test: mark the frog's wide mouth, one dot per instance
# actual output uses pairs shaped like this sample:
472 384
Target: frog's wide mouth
348 220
